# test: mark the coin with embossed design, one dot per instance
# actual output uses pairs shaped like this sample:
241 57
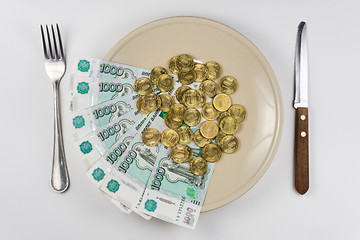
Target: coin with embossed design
202 72
209 129
151 137
178 111
184 63
169 137
208 87
171 122
165 82
198 166
156 72
211 152
181 153
143 86
227 84
209 112
166 102
238 112
229 125
229 144
214 70
180 92
187 78
172 65
185 134
200 140
192 117
222 102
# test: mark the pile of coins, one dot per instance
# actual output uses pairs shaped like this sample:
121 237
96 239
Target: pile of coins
222 119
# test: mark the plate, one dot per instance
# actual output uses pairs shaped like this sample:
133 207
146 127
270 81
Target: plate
259 134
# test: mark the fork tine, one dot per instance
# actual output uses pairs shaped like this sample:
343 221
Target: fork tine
49 43
43 42
56 54
60 42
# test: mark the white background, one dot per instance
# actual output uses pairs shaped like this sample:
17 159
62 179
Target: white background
272 209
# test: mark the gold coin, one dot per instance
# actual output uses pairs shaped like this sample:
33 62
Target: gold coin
143 86
229 125
192 117
172 65
151 137
222 102
180 92
165 82
187 78
184 63
185 134
198 166
209 112
166 102
200 140
140 105
222 115
229 144
214 70
202 99
227 84
151 102
209 129
191 98
202 72
208 87
181 153
156 72
178 111
211 153
169 138
170 122
238 112
220 135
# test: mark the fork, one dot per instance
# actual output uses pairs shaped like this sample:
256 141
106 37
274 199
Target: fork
55 68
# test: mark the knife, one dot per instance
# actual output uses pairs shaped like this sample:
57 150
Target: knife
302 115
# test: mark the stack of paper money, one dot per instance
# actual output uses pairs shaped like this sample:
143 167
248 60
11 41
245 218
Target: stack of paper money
107 131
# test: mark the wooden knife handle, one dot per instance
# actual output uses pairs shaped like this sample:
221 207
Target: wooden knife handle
302 150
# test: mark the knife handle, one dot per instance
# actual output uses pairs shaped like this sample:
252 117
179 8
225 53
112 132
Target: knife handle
302 150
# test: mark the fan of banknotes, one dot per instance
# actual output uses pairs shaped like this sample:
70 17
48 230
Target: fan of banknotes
130 147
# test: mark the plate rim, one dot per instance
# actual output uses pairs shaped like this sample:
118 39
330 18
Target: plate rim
275 89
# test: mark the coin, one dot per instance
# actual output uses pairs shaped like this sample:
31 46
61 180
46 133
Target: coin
178 111
165 82
185 134
202 99
156 72
184 63
214 70
198 166
222 115
169 138
170 122
166 102
208 87
180 92
172 65
187 78
191 98
238 112
211 153
181 153
229 125
151 102
227 84
209 112
222 102
229 144
143 86
140 105
209 129
200 140
201 72
192 117
151 137
220 135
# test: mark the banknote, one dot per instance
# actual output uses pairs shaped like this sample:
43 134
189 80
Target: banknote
88 92
173 193
88 120
95 145
127 180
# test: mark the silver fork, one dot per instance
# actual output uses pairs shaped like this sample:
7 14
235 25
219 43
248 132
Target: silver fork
55 68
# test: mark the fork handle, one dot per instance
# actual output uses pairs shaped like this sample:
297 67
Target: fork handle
59 176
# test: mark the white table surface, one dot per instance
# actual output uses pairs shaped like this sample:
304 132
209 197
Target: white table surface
272 209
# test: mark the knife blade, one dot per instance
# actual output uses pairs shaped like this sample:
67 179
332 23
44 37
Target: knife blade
302 114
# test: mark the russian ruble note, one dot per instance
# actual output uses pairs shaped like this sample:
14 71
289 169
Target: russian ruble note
173 193
90 119
127 180
95 145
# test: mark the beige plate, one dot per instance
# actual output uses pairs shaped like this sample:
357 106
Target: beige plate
155 43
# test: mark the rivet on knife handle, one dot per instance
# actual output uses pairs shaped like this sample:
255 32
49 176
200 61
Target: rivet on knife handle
302 150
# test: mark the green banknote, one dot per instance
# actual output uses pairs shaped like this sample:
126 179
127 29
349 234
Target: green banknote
93 118
132 170
95 145
173 193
